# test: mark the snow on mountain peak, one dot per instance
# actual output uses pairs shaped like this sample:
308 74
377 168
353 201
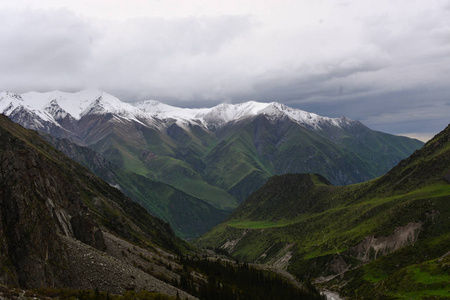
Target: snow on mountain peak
223 113
72 103
9 101
9 95
55 105
55 110
161 110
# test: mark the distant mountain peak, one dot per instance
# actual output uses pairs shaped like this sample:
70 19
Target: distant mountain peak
55 110
7 94
72 103
56 105
9 102
223 113
231 112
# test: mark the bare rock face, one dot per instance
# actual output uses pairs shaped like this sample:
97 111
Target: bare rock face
447 177
87 231
31 250
338 265
37 207
373 247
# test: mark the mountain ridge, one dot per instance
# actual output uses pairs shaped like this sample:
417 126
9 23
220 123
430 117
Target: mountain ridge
96 101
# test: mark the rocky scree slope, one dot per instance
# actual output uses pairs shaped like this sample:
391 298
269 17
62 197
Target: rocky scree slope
61 226
388 237
219 155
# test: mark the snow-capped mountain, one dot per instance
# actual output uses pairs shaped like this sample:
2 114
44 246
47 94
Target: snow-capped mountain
219 115
55 106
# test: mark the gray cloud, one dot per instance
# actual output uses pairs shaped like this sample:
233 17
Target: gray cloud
168 58
43 49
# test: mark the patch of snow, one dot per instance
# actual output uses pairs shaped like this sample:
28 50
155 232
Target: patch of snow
73 103
55 110
224 113
12 103
9 102
161 109
331 295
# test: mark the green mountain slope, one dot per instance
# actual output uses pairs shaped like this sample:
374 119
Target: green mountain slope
376 234
188 216
250 151
175 159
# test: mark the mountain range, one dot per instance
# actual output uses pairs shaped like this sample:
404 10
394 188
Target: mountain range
211 159
387 238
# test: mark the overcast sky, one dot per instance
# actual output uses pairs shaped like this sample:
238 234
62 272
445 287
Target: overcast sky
385 63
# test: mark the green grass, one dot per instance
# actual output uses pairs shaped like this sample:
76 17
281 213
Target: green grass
374 275
132 164
211 194
435 294
423 280
425 277
256 224
180 175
